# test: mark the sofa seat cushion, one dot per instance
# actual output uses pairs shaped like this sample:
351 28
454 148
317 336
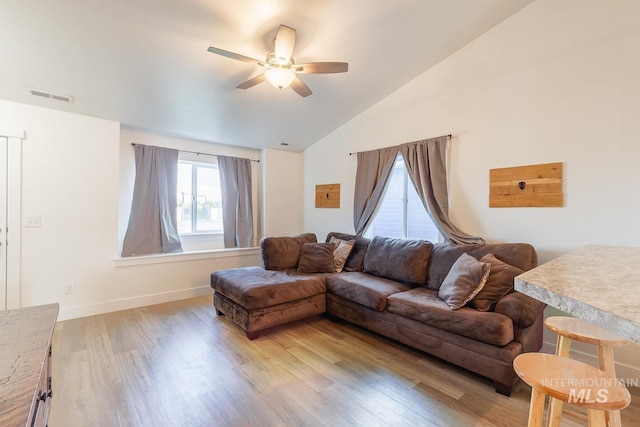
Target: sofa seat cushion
255 287
423 305
365 289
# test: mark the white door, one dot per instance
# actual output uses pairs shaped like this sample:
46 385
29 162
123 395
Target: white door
10 217
3 222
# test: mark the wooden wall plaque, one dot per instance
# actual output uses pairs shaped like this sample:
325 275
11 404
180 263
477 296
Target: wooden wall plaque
526 186
328 196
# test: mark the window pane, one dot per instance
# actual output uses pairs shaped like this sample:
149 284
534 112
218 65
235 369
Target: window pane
419 223
184 197
209 214
392 219
389 218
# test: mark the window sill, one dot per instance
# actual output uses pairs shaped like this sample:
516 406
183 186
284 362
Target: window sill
184 256
202 233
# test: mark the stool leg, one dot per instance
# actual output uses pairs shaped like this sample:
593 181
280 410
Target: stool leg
555 412
563 347
536 408
607 364
605 357
613 419
597 418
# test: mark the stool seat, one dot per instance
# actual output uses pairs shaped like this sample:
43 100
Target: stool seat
572 381
573 329
581 330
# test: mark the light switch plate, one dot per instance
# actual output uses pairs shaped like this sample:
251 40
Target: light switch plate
32 221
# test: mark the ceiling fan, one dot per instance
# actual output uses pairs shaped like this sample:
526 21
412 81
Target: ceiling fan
280 69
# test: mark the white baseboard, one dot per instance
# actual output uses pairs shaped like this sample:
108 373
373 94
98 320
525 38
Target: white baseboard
67 313
630 375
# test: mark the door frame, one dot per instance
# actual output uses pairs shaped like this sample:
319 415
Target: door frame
14 214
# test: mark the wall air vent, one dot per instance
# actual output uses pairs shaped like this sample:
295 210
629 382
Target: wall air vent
54 96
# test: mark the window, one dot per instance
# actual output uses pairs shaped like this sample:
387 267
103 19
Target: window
401 213
199 198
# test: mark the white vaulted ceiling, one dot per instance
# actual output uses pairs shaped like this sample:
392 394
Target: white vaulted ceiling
145 63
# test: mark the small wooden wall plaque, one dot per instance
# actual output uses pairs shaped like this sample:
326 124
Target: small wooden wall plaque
530 186
328 196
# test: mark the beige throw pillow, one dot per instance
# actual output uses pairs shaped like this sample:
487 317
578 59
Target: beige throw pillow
341 252
465 279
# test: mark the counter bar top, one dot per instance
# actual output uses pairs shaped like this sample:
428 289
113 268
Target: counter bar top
600 284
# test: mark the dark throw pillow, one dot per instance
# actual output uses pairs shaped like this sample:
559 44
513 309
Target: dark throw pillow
499 283
316 258
465 279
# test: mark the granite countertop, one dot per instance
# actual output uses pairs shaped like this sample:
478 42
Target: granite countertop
25 337
597 283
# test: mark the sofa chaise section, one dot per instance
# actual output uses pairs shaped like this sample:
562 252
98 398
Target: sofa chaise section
258 298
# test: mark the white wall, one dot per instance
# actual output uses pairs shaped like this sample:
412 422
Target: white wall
283 192
558 81
70 167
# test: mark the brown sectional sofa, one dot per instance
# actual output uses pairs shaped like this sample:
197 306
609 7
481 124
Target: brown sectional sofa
390 286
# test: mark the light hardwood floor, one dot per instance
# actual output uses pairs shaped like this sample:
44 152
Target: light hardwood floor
178 364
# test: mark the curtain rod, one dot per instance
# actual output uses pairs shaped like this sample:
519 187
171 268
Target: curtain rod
197 153
447 136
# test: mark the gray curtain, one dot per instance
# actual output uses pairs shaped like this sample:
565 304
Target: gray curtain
426 165
237 212
372 175
153 225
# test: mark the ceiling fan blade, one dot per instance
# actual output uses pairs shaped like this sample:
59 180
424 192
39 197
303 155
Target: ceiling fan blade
233 55
284 43
300 87
322 67
252 82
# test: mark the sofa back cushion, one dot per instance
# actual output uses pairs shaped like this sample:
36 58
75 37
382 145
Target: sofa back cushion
281 253
520 255
355 260
404 260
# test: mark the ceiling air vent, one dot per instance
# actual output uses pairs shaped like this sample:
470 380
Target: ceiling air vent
54 96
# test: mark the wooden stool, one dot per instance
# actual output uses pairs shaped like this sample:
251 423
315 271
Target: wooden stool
569 381
571 328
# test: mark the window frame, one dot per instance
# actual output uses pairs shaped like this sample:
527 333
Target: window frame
195 164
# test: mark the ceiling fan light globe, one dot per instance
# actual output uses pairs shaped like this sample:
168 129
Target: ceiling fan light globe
280 77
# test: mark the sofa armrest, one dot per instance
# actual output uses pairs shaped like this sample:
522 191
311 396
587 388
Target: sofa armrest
521 308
